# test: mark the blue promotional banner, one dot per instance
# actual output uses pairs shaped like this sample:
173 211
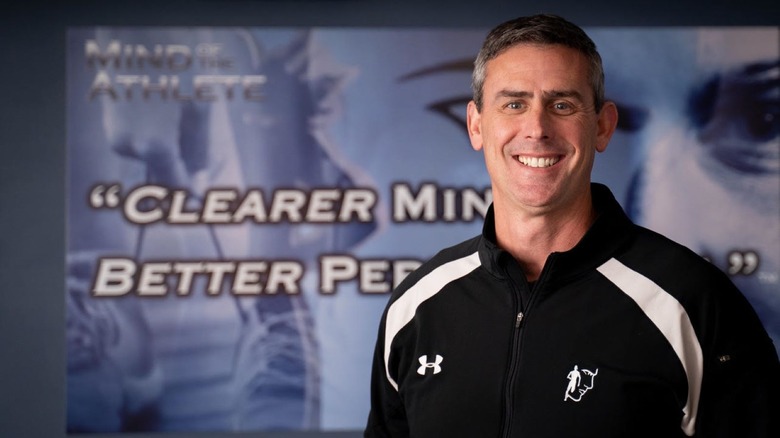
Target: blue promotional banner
241 201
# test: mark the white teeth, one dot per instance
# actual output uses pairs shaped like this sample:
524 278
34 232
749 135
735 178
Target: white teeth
537 162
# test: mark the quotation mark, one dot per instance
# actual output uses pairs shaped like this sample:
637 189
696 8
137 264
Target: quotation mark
742 262
104 196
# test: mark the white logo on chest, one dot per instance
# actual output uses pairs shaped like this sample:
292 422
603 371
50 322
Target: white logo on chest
424 364
580 382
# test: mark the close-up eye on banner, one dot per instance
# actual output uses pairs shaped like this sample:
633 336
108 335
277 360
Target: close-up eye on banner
242 201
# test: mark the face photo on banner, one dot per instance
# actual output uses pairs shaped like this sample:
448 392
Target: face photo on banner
241 201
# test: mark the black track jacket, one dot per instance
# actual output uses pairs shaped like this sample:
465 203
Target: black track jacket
628 334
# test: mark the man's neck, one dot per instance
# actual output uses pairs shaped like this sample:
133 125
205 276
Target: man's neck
531 238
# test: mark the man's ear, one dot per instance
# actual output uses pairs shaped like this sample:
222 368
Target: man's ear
473 124
607 123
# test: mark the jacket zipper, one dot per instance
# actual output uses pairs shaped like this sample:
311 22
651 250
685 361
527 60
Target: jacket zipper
515 356
513 368
519 320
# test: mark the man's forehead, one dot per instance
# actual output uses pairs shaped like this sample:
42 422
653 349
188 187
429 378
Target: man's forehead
523 70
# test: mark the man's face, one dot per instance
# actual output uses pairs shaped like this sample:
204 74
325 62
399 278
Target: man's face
538 127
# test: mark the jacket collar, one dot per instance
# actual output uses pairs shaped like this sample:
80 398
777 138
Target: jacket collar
611 230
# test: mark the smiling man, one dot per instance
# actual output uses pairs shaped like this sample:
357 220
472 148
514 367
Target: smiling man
539 125
563 318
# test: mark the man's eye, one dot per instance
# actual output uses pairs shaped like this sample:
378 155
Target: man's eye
563 107
514 105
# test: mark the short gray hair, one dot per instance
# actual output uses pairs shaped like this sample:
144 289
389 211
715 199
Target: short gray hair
541 30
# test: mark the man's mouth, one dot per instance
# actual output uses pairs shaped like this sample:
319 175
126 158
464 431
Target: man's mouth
538 161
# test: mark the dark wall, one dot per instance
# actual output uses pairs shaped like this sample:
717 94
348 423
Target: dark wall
32 160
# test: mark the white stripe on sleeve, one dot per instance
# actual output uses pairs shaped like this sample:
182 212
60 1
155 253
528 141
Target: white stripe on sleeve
402 311
672 320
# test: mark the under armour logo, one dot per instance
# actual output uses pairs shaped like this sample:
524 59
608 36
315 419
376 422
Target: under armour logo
424 364
580 381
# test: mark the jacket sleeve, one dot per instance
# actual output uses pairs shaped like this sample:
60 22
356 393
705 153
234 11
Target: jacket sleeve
387 417
741 383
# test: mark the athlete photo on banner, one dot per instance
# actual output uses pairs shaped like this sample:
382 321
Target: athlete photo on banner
241 201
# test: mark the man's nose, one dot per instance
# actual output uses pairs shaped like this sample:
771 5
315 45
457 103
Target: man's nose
536 123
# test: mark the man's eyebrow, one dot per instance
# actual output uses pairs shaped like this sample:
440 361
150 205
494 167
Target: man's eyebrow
515 94
556 94
552 94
